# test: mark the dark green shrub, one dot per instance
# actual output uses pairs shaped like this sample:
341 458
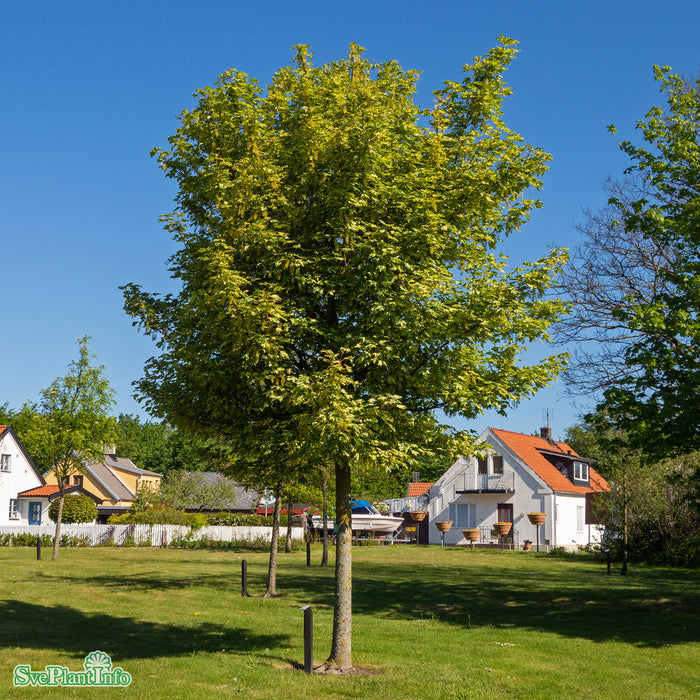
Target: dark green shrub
129 540
24 539
249 519
76 509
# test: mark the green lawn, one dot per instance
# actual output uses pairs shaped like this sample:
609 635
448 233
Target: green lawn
428 623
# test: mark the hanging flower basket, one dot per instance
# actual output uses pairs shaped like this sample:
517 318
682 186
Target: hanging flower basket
443 525
537 518
418 515
502 528
471 534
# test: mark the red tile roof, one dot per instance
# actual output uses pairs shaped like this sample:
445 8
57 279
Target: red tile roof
297 510
527 448
418 488
41 491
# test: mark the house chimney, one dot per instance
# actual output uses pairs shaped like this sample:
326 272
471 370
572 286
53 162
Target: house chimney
546 433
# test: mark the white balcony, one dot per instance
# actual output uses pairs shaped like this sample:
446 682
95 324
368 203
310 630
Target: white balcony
472 482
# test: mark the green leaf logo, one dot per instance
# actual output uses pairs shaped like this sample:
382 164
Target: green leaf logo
98 659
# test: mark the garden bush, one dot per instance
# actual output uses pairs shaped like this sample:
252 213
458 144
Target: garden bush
25 539
76 509
160 516
248 519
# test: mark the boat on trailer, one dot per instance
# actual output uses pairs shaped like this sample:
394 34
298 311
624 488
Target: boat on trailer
365 518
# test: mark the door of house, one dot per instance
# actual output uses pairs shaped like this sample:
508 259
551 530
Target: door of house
505 515
35 513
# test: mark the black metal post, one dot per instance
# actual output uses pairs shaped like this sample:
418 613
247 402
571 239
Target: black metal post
308 552
244 578
607 556
538 538
38 547
308 639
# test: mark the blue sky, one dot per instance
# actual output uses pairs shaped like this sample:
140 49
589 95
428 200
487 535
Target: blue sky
89 88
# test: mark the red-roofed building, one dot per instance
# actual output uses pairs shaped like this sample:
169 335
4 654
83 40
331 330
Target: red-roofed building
41 498
418 488
25 494
298 510
517 474
18 473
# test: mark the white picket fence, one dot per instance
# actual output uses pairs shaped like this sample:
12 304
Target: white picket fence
154 535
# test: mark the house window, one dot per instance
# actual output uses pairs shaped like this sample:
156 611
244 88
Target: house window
14 508
78 480
579 518
463 514
5 463
580 471
482 466
497 464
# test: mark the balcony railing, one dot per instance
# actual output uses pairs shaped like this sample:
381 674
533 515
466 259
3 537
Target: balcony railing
487 483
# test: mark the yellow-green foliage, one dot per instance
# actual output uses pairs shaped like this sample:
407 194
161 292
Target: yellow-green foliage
161 516
76 509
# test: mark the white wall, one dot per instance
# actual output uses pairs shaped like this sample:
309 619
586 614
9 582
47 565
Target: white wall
571 528
153 535
531 494
20 478
24 508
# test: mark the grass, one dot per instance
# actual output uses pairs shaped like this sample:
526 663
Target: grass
428 623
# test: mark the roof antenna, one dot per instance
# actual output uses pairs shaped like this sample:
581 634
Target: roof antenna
546 430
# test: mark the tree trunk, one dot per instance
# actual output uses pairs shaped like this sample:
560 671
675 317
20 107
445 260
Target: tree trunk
271 591
288 543
625 532
341 650
324 491
57 533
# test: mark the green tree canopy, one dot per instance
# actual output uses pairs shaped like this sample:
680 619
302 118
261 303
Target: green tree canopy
656 402
340 277
651 512
71 423
161 448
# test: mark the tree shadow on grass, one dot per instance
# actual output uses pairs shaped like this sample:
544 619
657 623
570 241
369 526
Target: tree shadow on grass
74 632
140 582
652 610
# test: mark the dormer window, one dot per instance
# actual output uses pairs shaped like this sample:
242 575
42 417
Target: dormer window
580 471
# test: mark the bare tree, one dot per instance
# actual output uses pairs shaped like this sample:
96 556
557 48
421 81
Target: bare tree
612 271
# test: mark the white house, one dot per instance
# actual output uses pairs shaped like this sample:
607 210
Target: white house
516 475
19 474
